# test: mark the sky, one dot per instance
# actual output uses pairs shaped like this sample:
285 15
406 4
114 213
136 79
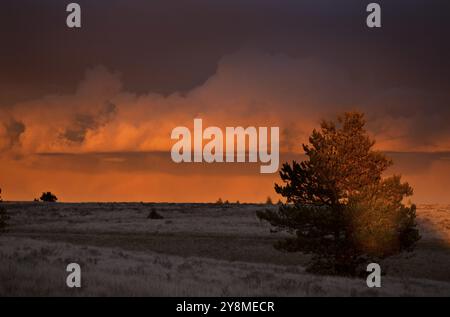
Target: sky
87 113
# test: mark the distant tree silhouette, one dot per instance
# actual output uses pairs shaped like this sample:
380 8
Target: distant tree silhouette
269 201
219 201
338 205
48 197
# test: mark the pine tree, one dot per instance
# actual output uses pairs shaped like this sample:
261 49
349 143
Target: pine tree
338 206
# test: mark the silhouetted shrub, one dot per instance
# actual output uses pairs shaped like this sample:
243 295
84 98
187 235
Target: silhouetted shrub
154 215
219 201
48 197
269 201
338 206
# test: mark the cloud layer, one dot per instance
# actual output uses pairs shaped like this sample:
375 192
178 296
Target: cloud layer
96 132
250 88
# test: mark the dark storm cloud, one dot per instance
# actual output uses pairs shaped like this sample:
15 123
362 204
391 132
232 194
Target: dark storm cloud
168 46
398 74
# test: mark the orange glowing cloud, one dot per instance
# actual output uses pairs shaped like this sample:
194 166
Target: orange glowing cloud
249 89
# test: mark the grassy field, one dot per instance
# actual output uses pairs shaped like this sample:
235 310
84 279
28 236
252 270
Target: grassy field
195 250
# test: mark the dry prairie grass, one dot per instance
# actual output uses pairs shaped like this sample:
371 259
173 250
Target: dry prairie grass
37 268
196 250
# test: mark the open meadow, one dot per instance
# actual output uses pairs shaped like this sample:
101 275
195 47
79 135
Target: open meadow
194 250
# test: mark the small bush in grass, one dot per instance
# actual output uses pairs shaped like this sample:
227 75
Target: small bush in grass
154 215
